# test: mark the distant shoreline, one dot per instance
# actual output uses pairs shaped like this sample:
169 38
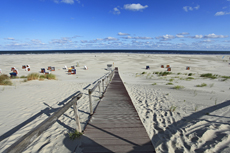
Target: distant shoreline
116 51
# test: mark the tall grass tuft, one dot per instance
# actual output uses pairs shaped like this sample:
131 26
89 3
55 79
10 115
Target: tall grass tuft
178 87
189 78
33 76
164 73
172 108
4 80
50 76
209 75
75 134
202 85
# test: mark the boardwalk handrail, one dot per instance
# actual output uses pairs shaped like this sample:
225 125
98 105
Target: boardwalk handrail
25 140
90 91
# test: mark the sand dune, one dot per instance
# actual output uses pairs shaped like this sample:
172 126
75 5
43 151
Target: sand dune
192 119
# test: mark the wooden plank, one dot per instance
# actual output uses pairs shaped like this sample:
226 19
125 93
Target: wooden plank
115 141
118 148
115 125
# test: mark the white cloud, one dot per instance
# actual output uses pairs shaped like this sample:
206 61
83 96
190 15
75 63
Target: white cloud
206 41
135 7
165 37
66 1
110 38
215 36
62 41
144 38
98 39
185 8
197 36
197 7
122 34
221 13
116 11
179 36
183 33
37 42
9 38
189 8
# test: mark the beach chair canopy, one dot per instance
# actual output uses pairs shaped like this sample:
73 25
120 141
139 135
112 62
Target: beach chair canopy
147 67
109 66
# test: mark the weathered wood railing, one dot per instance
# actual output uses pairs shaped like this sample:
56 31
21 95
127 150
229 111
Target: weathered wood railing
24 141
105 81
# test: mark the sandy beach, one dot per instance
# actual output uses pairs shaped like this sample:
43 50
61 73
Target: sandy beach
180 113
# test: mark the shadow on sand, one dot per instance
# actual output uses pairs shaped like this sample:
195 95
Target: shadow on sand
193 118
46 111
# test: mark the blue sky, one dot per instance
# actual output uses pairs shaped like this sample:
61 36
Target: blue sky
115 24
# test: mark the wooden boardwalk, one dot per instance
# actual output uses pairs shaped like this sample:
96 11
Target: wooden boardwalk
115 126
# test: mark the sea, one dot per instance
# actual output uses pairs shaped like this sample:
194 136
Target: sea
116 51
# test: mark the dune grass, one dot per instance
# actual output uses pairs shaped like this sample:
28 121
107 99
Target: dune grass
5 80
36 76
170 83
178 87
202 85
209 75
23 77
172 108
32 76
50 76
189 78
225 78
75 134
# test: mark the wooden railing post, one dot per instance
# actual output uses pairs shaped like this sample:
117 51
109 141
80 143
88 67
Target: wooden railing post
29 137
103 88
90 103
77 117
99 89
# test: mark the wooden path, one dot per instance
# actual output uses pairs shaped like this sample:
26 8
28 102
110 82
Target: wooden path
115 126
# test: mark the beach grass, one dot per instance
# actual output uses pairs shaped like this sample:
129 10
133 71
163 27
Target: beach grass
50 76
22 77
178 87
75 134
170 83
5 80
32 76
36 76
202 85
172 108
209 75
189 78
164 73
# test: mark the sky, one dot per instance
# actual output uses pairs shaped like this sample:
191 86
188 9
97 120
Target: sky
115 24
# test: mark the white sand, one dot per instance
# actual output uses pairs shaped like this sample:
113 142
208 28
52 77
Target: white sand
200 122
